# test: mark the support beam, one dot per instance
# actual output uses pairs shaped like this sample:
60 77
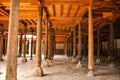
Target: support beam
90 42
31 54
79 56
38 71
20 45
1 47
46 63
74 46
46 42
24 50
11 65
98 46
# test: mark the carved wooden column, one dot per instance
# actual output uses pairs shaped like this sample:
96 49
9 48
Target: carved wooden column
65 47
38 70
51 48
111 40
20 46
11 65
45 63
90 42
68 41
84 55
5 45
98 46
116 52
46 42
71 44
79 56
49 44
1 47
112 56
24 49
52 43
74 46
31 53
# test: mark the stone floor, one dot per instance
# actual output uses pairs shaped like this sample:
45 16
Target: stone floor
62 69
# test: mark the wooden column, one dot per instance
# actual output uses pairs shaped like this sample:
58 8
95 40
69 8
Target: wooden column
49 44
65 48
1 47
68 54
84 55
98 46
71 44
11 65
5 44
112 41
74 43
116 52
74 46
79 56
38 70
20 46
68 46
90 42
52 43
46 42
31 54
24 50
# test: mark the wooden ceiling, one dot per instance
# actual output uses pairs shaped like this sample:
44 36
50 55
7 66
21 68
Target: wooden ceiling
63 15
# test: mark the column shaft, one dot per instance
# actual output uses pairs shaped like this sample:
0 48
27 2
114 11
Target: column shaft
20 45
46 41
11 65
1 47
31 55
90 42
38 71
79 56
74 42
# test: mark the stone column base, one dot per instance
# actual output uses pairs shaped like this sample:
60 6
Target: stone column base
45 63
74 60
98 60
90 74
79 65
38 72
1 59
24 59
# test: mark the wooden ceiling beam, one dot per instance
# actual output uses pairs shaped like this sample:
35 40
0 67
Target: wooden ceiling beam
66 2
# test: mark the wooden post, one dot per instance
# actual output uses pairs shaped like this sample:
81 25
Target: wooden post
112 41
74 46
90 42
20 46
45 63
98 46
79 56
49 45
46 42
38 70
116 48
71 44
31 54
68 47
84 47
24 50
1 47
52 43
74 41
11 65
